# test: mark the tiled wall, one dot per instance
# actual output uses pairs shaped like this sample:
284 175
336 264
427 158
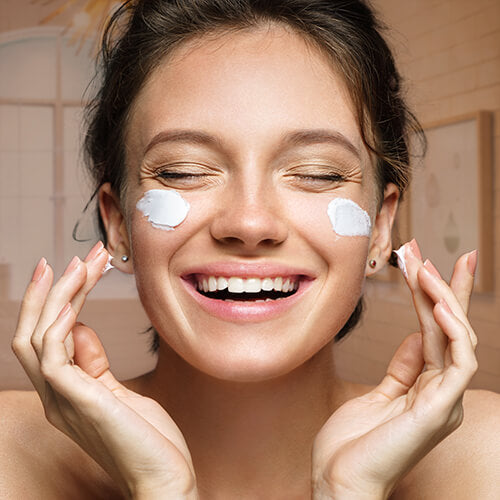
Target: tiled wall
449 51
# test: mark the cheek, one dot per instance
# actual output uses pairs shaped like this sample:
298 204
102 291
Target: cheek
161 222
158 227
337 228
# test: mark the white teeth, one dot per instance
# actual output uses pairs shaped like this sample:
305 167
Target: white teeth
245 285
278 284
212 284
267 284
235 285
221 283
252 285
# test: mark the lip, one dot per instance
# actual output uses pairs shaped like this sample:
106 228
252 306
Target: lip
248 270
243 311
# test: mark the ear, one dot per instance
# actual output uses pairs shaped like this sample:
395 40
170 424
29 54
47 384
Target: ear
116 229
381 238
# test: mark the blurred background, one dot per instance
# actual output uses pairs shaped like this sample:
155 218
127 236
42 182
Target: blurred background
449 54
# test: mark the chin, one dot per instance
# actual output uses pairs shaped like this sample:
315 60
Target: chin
252 358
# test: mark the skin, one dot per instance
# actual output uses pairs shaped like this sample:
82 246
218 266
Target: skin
232 389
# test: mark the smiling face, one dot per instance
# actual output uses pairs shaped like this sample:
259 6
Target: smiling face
256 132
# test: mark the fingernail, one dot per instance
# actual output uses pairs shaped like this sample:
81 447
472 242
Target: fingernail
414 248
95 251
445 305
65 310
72 265
39 270
431 268
472 262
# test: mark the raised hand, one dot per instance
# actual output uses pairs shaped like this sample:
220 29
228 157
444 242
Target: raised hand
370 442
130 436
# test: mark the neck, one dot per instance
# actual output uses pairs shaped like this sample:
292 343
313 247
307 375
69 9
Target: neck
250 437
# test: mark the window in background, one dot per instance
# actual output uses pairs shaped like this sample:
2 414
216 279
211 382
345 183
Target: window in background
43 188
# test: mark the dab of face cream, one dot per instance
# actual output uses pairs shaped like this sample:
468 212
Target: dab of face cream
165 209
348 218
401 260
108 265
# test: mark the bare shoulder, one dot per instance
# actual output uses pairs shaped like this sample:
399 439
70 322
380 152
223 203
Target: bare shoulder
467 463
38 461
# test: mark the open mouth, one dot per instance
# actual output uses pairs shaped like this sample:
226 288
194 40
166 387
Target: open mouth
233 289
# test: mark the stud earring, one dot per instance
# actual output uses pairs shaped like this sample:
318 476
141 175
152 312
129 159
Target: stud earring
372 263
124 258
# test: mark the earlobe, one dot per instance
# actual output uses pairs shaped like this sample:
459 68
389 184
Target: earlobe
116 229
381 238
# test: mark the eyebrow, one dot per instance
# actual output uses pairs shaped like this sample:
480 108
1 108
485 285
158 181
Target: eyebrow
318 136
184 135
296 138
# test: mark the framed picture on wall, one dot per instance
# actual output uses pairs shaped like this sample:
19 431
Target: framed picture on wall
450 201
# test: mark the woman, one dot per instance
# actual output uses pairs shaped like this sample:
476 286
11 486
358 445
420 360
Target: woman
249 157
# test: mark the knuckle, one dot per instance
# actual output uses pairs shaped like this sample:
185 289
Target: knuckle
47 370
18 345
474 365
35 342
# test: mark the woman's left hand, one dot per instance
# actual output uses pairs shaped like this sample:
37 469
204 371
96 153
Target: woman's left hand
370 442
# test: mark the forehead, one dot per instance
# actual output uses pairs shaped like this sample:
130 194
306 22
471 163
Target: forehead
247 86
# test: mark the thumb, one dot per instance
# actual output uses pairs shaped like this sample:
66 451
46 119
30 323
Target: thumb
89 351
404 368
462 281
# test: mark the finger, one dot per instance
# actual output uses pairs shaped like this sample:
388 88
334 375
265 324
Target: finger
74 388
61 293
29 314
462 281
95 262
403 370
438 289
75 284
434 341
463 360
89 351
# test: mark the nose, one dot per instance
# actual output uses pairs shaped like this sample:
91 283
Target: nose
249 218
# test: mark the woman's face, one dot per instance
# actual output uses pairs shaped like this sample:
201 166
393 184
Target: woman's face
255 130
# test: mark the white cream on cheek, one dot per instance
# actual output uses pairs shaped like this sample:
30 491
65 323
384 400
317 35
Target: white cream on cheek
348 218
165 209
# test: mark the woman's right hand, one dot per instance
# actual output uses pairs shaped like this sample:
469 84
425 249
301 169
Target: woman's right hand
130 436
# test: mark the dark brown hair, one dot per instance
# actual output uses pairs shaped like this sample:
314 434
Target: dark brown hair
142 32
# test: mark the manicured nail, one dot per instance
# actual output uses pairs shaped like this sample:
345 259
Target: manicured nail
72 265
445 305
472 262
414 248
39 270
431 268
95 251
65 310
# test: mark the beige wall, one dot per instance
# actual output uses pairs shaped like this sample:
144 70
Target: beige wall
449 50
118 322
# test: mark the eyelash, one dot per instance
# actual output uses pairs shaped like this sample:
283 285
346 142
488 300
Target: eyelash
178 175
324 177
313 179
